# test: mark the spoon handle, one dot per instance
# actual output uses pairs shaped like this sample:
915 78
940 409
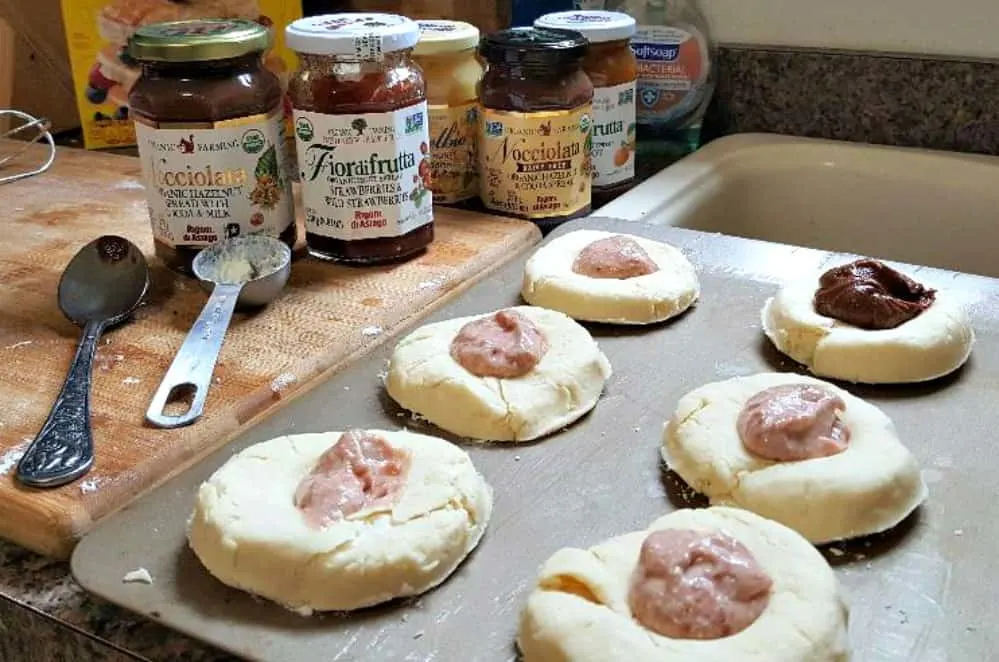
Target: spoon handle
190 374
64 448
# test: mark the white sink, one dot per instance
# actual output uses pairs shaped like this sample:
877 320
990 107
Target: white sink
937 209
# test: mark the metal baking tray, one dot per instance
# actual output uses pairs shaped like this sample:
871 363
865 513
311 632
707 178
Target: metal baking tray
924 592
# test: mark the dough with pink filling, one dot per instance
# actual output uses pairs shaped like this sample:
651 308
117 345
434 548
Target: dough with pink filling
254 526
579 610
869 487
425 377
551 280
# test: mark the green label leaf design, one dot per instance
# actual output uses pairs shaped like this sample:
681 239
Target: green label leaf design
267 164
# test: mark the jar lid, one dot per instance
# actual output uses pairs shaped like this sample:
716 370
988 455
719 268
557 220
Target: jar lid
446 37
363 35
534 46
198 40
596 25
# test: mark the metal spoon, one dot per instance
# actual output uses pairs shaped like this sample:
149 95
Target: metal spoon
101 287
249 271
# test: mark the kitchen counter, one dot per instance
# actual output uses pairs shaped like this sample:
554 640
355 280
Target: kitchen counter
45 615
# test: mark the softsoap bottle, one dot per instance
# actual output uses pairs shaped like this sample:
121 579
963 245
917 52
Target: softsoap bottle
675 77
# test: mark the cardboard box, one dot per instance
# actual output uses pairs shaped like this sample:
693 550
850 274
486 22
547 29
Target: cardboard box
98 30
41 84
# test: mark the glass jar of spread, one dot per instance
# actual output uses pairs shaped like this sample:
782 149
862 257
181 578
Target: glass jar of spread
446 53
613 69
210 133
362 137
534 131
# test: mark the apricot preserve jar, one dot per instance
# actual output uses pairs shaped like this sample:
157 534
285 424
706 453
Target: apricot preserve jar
362 137
446 53
613 69
534 131
210 132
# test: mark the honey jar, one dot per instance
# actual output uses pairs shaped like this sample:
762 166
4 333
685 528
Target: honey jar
447 54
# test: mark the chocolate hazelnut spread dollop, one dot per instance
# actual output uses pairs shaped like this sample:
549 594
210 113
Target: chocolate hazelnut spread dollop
871 295
359 471
793 422
505 344
615 257
697 585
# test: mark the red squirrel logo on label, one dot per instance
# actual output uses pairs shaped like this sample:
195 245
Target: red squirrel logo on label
187 145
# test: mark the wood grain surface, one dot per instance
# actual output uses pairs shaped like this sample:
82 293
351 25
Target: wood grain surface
327 316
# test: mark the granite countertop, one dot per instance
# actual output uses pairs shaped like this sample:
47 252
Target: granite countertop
45 615
922 102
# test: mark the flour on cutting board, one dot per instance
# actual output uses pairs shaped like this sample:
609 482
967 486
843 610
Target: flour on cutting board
431 284
13 455
283 381
90 485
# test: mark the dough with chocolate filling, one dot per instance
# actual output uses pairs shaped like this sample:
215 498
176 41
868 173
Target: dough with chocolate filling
869 487
425 377
251 531
553 279
934 343
579 609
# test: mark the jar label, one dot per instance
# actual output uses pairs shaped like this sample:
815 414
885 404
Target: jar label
613 134
672 69
536 165
365 176
207 182
453 168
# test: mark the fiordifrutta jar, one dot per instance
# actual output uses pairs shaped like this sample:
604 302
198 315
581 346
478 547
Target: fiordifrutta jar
613 69
534 131
362 137
210 133
447 54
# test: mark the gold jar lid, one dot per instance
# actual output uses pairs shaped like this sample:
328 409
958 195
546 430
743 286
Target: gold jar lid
198 40
439 36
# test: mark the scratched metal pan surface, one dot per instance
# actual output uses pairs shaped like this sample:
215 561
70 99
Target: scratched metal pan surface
925 592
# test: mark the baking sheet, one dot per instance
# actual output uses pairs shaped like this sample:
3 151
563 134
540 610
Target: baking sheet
924 592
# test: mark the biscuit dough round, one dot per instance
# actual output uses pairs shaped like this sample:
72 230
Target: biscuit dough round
931 345
549 281
870 487
562 387
248 533
579 610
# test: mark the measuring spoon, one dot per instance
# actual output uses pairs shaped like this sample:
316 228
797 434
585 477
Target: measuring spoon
248 271
102 285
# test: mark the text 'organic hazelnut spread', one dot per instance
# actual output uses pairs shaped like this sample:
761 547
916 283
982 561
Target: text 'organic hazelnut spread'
209 127
871 295
534 137
446 53
362 136
612 68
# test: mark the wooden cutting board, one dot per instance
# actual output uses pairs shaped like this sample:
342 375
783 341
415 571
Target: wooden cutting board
327 316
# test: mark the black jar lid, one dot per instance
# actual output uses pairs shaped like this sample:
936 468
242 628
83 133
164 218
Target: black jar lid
543 47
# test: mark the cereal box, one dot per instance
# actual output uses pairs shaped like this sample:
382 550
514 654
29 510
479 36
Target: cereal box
97 32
